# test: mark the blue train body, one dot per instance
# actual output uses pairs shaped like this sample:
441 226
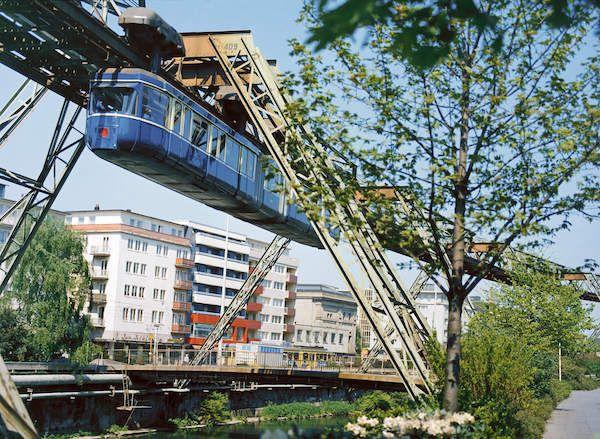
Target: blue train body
141 122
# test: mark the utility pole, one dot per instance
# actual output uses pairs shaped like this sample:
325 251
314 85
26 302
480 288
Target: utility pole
559 362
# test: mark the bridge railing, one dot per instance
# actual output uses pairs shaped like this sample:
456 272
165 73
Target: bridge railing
268 360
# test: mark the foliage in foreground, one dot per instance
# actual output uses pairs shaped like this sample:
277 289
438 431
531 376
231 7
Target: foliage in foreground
304 410
417 425
509 374
41 317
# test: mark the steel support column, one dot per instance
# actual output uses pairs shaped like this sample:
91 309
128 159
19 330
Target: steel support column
28 213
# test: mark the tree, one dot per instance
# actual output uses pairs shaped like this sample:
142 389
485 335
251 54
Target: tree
426 29
46 299
494 142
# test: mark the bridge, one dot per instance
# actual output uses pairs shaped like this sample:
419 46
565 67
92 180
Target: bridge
60 44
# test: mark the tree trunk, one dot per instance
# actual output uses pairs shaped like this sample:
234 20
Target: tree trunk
456 291
453 349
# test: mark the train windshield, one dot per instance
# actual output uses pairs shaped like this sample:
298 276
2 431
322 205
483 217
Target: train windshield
113 100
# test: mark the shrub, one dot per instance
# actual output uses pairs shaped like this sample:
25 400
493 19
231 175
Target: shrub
184 422
336 408
378 404
559 390
214 409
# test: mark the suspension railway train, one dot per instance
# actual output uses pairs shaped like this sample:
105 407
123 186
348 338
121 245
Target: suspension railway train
143 123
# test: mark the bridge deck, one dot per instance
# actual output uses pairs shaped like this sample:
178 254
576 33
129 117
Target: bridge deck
262 375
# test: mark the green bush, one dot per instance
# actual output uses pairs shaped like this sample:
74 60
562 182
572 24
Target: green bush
184 422
214 409
378 404
559 390
336 408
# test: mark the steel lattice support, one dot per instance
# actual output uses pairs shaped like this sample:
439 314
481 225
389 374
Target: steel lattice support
18 107
263 102
377 348
28 213
239 301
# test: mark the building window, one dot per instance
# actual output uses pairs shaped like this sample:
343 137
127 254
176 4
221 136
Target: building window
307 335
340 338
134 290
317 336
165 248
157 271
332 338
141 292
125 315
266 283
140 315
275 319
143 269
275 336
158 249
126 290
155 294
128 266
279 268
163 272
278 285
264 317
201 330
136 267
278 302
262 335
263 300
157 316
299 335
324 337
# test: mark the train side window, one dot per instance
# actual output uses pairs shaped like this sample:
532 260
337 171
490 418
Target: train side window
233 153
247 162
213 146
154 104
199 131
114 100
177 117
222 147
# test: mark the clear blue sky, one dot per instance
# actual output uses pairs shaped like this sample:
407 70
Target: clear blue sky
95 181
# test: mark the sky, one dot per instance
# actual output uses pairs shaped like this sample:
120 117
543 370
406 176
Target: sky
94 181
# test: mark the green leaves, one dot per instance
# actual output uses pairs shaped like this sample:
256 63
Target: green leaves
46 300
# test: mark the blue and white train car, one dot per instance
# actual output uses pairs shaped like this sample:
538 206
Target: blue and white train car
143 123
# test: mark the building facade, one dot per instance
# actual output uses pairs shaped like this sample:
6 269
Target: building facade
326 320
141 270
276 297
221 267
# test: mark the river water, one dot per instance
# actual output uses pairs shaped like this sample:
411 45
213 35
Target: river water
304 429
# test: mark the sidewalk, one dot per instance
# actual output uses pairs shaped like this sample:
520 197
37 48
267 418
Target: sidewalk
578 416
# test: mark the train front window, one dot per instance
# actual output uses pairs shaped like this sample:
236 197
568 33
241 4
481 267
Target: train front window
114 100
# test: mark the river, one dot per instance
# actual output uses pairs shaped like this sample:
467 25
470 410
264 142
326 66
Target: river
305 429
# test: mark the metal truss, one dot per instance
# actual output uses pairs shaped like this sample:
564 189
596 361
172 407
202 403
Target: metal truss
264 105
12 409
28 213
271 255
378 349
18 107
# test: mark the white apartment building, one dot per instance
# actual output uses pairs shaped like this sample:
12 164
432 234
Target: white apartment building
276 297
221 267
141 277
326 319
431 302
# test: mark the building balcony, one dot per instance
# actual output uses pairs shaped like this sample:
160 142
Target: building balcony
97 250
184 263
289 328
183 285
97 273
291 295
98 297
97 322
211 319
292 278
289 312
181 306
177 328
197 341
254 307
259 290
